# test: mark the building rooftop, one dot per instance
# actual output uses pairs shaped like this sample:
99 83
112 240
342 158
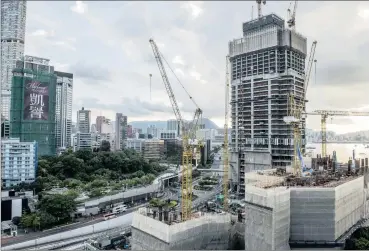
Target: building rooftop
273 178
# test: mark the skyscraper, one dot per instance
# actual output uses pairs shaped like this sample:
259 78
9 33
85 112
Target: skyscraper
120 131
267 64
83 120
13 29
84 137
63 113
33 104
99 121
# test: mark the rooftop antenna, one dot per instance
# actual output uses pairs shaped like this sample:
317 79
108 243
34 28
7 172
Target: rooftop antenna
259 2
252 12
150 84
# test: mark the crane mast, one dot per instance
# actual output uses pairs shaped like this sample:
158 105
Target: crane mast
226 148
292 19
324 114
296 110
187 134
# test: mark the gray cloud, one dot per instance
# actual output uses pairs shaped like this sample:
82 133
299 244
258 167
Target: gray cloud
117 35
341 121
90 72
129 106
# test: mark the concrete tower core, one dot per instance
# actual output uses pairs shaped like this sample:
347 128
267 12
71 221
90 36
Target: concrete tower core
152 231
267 64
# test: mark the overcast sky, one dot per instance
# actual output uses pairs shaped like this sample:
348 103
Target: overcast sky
106 46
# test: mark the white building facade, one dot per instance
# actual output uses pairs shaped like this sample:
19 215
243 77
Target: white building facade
18 162
13 29
63 110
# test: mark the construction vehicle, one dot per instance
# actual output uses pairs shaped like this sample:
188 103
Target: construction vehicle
226 148
296 108
324 115
188 132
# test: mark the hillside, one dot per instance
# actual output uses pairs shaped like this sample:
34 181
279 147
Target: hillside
163 124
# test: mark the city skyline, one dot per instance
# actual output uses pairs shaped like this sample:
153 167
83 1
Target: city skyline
194 49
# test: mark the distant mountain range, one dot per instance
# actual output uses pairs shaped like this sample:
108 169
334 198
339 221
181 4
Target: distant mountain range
163 124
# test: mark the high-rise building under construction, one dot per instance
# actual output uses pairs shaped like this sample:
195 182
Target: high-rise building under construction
267 64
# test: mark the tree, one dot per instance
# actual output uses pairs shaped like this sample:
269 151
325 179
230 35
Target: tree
31 220
105 146
16 220
60 206
47 220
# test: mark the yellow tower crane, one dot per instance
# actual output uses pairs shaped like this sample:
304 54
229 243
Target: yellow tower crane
188 130
296 110
226 148
324 115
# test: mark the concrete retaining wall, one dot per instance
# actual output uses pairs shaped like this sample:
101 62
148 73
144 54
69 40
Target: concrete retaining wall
267 218
206 232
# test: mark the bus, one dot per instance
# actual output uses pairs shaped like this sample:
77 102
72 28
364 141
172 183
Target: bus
109 216
119 209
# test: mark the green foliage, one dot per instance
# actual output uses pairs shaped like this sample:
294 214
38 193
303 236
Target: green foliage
359 240
31 220
86 169
207 182
362 243
161 203
105 146
59 206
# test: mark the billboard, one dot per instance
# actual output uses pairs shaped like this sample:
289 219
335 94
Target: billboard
36 100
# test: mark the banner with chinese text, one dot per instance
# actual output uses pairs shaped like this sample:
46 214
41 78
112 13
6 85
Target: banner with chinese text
36 100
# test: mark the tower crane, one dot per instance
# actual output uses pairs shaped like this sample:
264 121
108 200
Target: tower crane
259 2
292 17
296 110
226 148
188 131
324 115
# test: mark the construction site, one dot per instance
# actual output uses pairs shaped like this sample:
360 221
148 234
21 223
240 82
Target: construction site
289 200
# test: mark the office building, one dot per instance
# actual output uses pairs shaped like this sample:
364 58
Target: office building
83 120
120 131
106 126
83 136
99 121
18 162
267 64
130 134
173 125
13 30
63 112
33 104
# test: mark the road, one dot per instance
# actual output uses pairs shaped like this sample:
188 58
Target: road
37 235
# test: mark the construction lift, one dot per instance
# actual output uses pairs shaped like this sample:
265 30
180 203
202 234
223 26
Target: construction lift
188 131
327 113
226 148
296 111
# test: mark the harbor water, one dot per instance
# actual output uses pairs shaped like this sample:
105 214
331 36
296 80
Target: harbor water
343 151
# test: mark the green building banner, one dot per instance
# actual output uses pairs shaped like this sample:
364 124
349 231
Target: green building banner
36 100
